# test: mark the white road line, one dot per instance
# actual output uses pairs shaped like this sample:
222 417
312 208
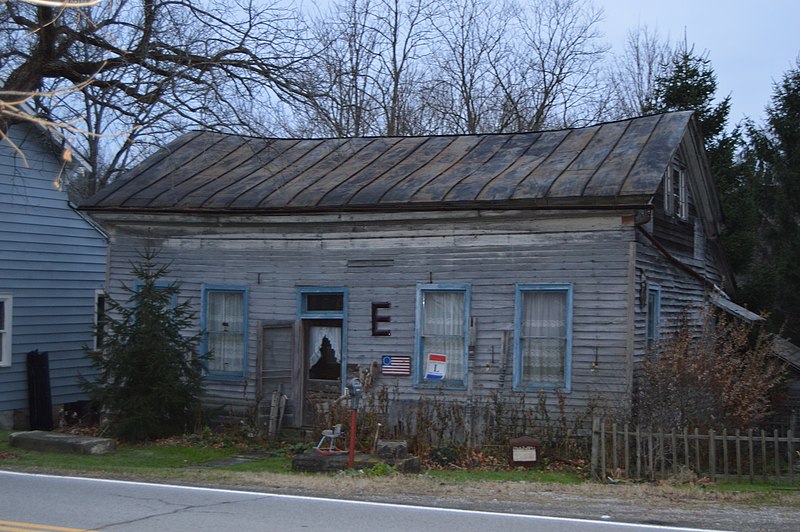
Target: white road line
364 503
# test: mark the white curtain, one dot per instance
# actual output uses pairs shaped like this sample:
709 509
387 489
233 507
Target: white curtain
317 334
544 337
443 329
225 325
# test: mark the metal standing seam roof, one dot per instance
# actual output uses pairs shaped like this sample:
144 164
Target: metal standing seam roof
612 163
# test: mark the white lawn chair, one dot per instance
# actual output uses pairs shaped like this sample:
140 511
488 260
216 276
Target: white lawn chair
331 435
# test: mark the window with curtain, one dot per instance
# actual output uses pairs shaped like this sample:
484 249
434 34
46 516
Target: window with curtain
226 330
442 334
543 336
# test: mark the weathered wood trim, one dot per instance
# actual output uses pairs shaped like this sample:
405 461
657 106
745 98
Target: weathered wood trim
631 325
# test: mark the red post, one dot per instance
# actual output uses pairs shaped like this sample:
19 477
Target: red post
351 463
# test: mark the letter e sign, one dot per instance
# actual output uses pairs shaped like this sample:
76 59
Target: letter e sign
378 318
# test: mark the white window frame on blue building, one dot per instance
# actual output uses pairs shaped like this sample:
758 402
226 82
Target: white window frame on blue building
6 313
550 332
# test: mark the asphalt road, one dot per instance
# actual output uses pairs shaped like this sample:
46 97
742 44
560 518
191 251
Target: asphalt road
66 504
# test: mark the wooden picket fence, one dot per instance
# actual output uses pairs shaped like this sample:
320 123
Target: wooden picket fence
624 452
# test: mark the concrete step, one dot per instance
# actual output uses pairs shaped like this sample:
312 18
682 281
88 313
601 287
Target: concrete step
56 442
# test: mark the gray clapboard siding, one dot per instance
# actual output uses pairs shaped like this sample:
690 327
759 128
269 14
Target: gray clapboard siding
594 262
51 261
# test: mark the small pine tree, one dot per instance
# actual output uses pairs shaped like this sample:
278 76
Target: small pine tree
149 375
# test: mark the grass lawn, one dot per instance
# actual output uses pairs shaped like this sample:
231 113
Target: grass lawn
195 460
137 458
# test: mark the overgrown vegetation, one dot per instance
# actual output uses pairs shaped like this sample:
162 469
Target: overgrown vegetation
449 433
149 374
721 375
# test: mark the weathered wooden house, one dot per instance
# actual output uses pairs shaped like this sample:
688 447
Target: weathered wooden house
52 275
462 266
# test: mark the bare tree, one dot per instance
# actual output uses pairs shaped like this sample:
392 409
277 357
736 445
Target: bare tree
469 40
516 66
368 69
552 80
13 106
136 72
633 74
343 72
406 31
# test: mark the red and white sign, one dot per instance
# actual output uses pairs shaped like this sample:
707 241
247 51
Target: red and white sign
437 367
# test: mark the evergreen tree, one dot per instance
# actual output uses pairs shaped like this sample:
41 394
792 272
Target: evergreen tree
691 84
772 282
149 374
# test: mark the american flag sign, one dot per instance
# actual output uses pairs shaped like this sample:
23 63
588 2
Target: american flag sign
396 365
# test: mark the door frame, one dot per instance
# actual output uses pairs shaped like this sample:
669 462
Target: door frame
303 314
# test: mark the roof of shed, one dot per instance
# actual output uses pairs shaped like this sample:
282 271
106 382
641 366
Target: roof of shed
616 163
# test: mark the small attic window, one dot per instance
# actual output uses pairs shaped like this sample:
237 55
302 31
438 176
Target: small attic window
676 197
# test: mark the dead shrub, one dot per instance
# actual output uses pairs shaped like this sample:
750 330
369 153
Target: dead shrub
718 375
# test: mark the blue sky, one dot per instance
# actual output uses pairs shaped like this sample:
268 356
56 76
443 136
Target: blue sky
751 44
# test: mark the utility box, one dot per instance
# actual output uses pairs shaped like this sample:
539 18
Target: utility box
524 451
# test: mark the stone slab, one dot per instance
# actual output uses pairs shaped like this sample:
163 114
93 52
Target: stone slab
56 442
392 448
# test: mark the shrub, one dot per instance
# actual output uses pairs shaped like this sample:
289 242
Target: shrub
719 375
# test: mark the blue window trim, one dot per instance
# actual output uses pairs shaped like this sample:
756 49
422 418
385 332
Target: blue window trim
304 314
519 385
159 284
653 290
419 363
245 291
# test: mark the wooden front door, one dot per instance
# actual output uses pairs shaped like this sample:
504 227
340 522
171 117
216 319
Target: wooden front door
322 366
275 371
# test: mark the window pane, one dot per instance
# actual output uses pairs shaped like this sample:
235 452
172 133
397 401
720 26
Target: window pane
4 350
225 327
443 331
324 302
543 337
443 313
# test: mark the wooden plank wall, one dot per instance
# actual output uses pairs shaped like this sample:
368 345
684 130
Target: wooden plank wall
384 260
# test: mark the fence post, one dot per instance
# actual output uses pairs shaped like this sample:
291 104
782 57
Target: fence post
595 465
764 455
790 451
777 450
603 467
699 469
712 455
638 451
750 453
725 452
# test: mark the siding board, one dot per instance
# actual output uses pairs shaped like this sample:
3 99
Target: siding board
52 261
